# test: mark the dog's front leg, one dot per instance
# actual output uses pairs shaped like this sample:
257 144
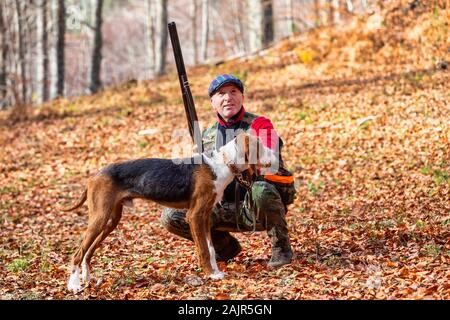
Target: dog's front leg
198 219
216 274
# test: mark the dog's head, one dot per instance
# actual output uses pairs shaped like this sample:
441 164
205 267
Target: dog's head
247 152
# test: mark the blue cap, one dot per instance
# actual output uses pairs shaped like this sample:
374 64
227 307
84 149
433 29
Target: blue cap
223 79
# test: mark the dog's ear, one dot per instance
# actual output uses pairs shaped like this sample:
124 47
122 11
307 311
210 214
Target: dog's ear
249 157
246 147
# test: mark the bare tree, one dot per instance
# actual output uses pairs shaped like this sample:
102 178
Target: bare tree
363 4
222 29
238 25
161 34
150 36
205 29
333 11
317 15
260 23
268 31
290 17
42 52
60 46
227 27
349 6
53 58
20 8
3 57
95 82
57 61
255 22
194 9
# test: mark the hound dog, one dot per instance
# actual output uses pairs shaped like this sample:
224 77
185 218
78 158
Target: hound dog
194 185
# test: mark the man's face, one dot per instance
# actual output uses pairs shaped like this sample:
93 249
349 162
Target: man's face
227 101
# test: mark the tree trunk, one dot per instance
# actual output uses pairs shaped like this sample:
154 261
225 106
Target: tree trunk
349 6
3 57
42 52
194 9
238 34
268 31
260 23
255 18
96 63
223 32
21 49
205 29
318 17
363 5
57 61
60 46
333 13
53 57
290 17
161 33
150 35
330 12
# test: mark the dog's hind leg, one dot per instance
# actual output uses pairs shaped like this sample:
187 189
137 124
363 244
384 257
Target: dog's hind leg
101 198
110 226
78 257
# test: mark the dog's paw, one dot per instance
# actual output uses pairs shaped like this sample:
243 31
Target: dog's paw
74 281
85 273
217 275
75 288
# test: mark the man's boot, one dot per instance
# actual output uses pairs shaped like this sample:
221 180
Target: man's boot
281 246
225 245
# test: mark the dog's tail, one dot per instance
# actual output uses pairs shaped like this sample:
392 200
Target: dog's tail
78 204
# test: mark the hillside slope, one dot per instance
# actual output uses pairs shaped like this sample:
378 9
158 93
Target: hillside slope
364 113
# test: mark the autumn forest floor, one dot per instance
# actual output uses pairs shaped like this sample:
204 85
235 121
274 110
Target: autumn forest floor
364 112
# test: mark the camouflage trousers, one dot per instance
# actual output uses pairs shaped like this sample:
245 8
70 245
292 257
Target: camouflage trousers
267 213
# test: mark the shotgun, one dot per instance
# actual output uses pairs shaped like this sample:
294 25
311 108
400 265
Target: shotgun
188 101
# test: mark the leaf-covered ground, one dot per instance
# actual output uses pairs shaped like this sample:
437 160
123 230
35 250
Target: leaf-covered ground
364 112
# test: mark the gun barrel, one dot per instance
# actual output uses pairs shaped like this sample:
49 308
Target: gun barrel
188 100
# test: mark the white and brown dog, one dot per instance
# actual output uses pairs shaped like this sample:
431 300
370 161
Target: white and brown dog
177 183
